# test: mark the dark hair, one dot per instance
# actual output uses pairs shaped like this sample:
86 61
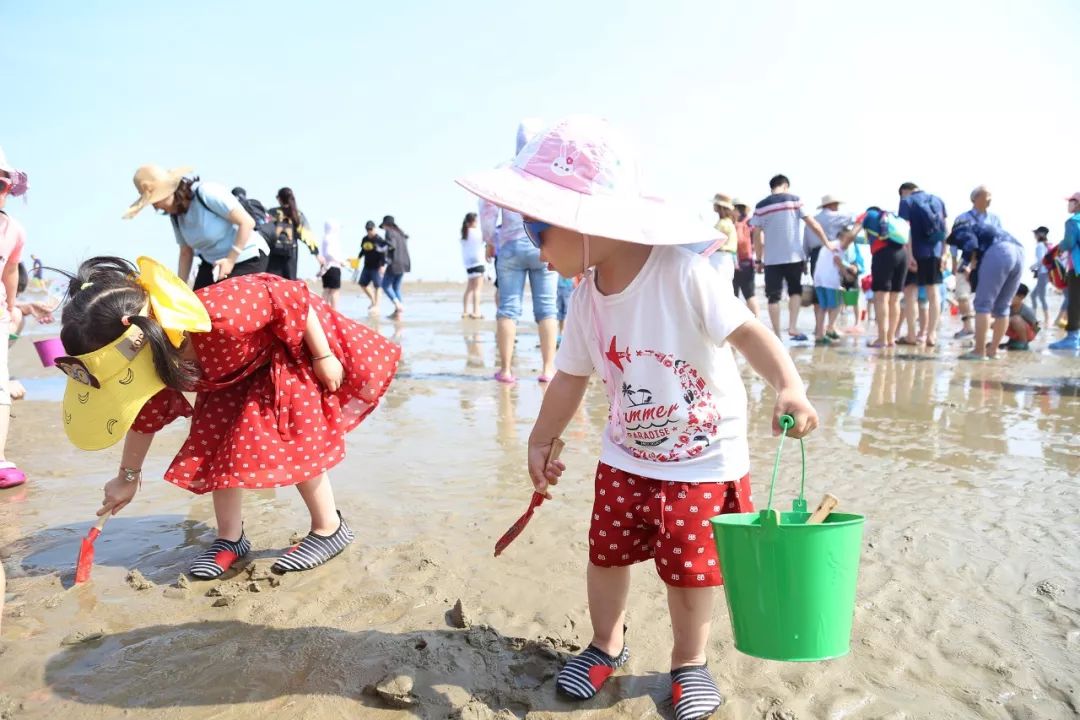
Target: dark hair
469 219
183 196
288 204
1022 290
24 279
907 187
102 292
777 181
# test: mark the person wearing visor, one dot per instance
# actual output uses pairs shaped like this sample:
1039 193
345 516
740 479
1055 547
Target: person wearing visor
279 376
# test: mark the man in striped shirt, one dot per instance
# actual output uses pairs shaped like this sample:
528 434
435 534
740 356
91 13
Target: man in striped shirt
778 246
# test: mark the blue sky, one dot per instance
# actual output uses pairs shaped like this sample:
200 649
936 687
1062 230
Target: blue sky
368 109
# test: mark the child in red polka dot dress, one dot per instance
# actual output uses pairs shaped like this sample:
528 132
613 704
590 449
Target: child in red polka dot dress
658 324
279 377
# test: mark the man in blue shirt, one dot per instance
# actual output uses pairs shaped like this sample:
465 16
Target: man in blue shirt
979 213
927 218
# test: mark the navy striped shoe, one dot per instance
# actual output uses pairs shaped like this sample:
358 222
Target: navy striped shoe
694 693
219 557
314 550
585 674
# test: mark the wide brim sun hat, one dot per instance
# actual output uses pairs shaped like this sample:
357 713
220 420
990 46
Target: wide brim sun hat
154 184
582 174
830 200
20 181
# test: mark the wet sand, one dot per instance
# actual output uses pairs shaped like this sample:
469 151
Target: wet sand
967 605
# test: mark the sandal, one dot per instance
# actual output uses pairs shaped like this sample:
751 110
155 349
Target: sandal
877 344
905 341
219 557
10 476
314 550
505 378
585 674
694 693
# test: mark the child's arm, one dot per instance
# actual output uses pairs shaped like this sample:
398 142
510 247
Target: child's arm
771 360
327 367
119 491
561 401
11 284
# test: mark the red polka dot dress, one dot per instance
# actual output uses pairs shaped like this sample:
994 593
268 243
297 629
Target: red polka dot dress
261 418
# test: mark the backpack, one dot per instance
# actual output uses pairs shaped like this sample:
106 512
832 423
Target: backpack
254 208
1059 265
926 221
285 235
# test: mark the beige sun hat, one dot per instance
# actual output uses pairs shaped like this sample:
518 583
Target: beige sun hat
723 201
829 200
154 184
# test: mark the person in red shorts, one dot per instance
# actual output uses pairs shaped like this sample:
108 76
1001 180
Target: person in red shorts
659 325
279 378
1023 325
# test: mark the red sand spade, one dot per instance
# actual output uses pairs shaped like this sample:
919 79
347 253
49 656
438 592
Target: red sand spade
86 551
510 535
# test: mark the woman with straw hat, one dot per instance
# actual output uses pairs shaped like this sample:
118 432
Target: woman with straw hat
207 220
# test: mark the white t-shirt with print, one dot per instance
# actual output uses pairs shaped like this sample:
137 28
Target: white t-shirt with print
661 345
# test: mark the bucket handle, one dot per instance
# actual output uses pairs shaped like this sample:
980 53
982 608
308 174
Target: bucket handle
799 505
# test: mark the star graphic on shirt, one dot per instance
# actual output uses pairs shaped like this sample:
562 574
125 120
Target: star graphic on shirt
615 356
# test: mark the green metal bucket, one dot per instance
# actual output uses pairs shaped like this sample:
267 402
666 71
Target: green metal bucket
790 587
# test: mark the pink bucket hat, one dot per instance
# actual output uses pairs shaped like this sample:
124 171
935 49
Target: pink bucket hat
20 183
582 174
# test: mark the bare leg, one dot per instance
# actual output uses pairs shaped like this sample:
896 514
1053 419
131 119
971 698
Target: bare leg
608 589
966 312
933 294
478 286
794 306
819 321
911 300
691 616
774 317
982 327
924 313
319 498
833 315
371 296
228 505
549 337
1000 323
881 316
5 423
893 315
752 305
466 297
505 332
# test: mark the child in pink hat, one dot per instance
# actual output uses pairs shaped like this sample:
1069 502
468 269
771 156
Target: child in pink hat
658 324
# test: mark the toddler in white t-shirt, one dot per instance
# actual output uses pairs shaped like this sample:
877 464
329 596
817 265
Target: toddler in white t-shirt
658 324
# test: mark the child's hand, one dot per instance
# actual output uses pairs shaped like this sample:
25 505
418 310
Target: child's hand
118 493
330 372
794 403
541 471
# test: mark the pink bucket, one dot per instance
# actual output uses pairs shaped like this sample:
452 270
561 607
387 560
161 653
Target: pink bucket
49 349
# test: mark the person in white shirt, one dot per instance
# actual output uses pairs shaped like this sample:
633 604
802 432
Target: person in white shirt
659 325
472 255
331 259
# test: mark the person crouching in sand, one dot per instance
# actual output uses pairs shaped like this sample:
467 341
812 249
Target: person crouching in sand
280 378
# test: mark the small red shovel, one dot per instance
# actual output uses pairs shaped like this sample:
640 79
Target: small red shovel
86 551
510 535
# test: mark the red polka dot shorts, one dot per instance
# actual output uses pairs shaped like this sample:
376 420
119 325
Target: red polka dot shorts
636 519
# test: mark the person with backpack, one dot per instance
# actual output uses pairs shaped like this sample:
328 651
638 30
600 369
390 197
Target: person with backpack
208 221
891 258
398 263
291 230
928 219
999 258
966 270
745 273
